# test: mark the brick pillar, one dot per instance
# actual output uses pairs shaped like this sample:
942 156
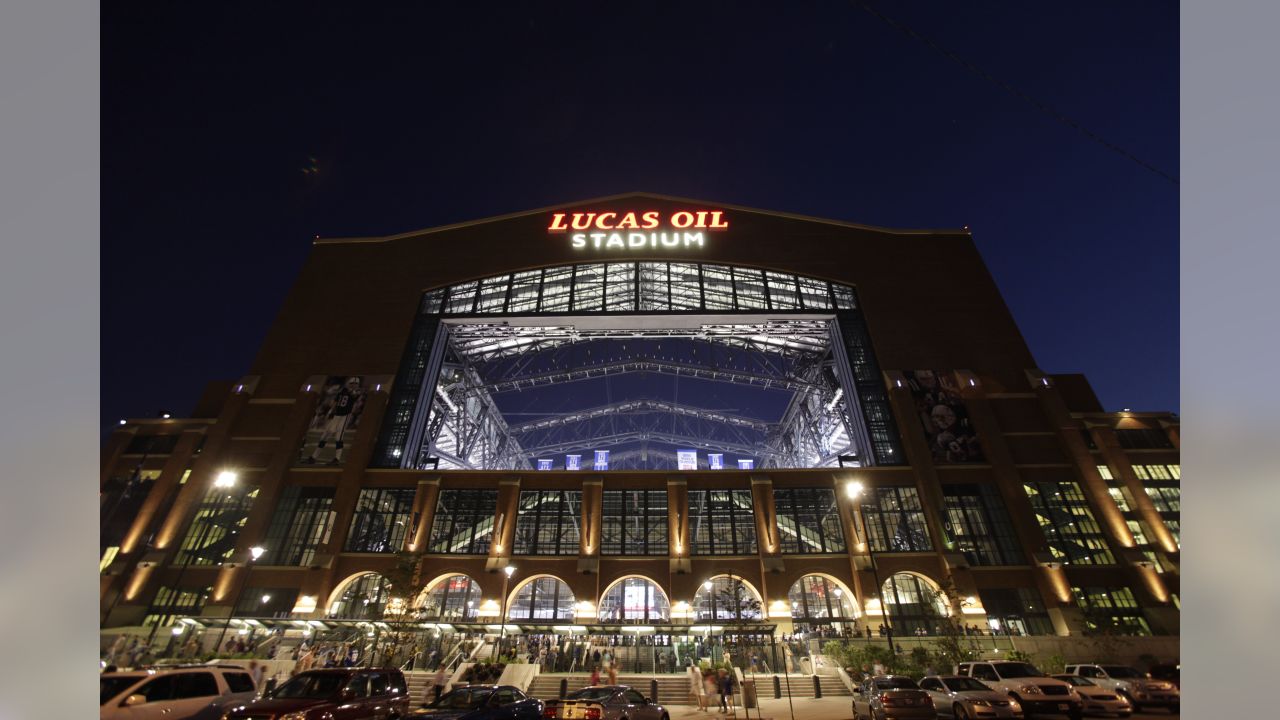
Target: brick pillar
424 508
589 537
504 524
678 525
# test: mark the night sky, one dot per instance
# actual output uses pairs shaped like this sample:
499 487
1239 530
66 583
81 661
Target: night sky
212 116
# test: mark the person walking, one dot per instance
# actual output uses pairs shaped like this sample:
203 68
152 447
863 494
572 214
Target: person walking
595 675
726 693
437 683
613 673
710 686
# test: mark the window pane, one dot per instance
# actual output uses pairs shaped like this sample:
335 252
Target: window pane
588 288
977 520
1068 524
634 522
381 520
722 522
808 520
717 284
783 292
895 521
493 294
620 287
463 523
548 522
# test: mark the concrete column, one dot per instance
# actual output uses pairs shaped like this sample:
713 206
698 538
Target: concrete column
424 508
678 524
504 524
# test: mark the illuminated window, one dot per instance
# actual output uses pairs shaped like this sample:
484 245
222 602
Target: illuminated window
524 291
913 603
107 556
1135 528
1018 611
816 598
169 605
748 285
463 523
493 294
1175 529
1166 499
620 287
722 522
784 292
814 294
980 525
556 284
1141 472
1159 472
1111 609
588 287
726 599
1068 524
302 523
462 298
895 521
455 597
363 597
381 521
1105 472
808 520
1175 471
544 598
1118 496
636 600
548 522
634 522
212 537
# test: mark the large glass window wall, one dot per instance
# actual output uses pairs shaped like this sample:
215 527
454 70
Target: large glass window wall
211 538
544 598
980 525
1068 524
1111 610
381 520
808 520
548 523
722 522
452 598
302 523
634 522
640 286
634 599
463 523
895 521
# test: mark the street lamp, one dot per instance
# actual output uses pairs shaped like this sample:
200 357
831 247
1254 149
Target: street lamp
502 618
224 479
255 552
854 490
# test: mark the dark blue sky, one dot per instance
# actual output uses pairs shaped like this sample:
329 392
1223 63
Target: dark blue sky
437 114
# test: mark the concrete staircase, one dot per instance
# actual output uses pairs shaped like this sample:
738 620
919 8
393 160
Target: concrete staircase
672 689
801 686
419 682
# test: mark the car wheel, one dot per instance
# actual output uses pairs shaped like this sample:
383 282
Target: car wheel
960 712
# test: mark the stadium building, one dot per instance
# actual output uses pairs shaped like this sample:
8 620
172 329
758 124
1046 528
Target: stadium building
647 422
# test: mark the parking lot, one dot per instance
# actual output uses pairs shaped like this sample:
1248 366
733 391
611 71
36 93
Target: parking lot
827 708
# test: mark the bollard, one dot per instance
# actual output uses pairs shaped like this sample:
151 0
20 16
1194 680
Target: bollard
817 688
564 687
777 688
653 690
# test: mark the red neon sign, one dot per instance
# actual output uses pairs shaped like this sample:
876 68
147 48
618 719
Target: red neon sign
681 220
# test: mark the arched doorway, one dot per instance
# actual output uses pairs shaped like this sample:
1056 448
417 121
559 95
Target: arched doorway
818 600
634 599
360 597
449 598
542 598
724 598
914 603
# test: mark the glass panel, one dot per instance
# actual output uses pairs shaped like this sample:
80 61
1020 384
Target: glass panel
524 291
620 287
717 287
493 294
783 292
655 286
808 520
462 298
451 598
544 598
555 289
686 288
844 297
722 522
1068 524
748 283
463 523
895 523
548 522
815 294
725 598
634 522
980 525
588 288
381 520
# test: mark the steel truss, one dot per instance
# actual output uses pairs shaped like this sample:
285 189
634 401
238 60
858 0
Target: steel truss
466 428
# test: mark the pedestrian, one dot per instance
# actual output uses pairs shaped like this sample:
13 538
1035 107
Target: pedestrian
595 657
595 675
437 683
726 692
613 673
256 671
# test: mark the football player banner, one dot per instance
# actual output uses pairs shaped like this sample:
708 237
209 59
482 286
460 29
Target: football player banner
602 460
943 417
335 422
572 462
715 461
746 464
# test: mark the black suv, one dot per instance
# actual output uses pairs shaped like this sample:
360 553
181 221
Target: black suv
338 693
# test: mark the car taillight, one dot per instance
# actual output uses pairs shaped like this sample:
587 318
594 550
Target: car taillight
549 712
593 714
887 699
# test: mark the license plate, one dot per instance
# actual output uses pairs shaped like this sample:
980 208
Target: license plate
1063 706
573 713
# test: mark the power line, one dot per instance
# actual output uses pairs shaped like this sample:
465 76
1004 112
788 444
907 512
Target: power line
1042 107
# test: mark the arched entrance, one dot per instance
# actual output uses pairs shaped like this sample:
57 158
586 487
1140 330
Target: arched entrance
914 603
821 601
726 598
363 596
449 598
634 599
544 597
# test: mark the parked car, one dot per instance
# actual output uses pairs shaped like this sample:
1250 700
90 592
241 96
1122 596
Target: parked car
1098 699
892 697
190 692
1170 672
604 702
1141 691
332 694
963 697
1034 691
483 702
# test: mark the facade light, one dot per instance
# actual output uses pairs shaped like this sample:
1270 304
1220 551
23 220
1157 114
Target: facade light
226 478
853 489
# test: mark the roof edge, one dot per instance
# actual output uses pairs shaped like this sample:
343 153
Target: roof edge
655 196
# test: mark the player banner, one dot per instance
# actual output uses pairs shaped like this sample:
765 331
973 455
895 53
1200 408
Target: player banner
334 425
943 417
602 460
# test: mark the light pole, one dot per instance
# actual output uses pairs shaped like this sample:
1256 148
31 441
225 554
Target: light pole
255 552
854 491
508 571
225 480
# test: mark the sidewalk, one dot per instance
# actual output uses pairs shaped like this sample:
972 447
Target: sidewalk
827 708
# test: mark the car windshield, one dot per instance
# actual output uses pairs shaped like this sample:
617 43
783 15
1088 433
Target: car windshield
1075 680
110 686
1016 670
963 683
464 698
321 685
1121 671
592 693
897 683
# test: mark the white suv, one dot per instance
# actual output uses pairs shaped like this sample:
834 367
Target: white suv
1140 690
200 692
1037 693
